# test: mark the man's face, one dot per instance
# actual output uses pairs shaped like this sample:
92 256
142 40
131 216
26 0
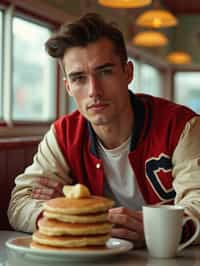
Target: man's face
98 82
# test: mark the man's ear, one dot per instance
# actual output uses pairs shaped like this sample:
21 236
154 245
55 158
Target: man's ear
67 87
129 71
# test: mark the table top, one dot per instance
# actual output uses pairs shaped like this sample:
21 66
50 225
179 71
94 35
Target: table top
139 257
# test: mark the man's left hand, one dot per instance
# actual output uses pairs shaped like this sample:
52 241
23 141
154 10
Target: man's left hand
128 225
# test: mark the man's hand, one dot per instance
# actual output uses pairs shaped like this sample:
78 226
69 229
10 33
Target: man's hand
128 225
46 189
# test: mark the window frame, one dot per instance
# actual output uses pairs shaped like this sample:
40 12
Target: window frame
1 65
25 11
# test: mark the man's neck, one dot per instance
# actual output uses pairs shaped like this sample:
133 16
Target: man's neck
113 135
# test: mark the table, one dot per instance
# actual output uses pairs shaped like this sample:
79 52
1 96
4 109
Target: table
190 256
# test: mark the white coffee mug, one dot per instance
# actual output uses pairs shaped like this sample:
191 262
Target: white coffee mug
163 228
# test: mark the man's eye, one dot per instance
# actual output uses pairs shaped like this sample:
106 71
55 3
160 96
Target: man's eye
78 79
105 72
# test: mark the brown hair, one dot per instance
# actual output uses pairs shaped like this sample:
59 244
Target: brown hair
87 29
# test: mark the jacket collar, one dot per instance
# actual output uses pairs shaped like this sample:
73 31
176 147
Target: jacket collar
141 125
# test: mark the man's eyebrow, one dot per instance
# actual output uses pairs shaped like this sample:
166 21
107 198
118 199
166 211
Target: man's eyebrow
75 73
104 66
78 73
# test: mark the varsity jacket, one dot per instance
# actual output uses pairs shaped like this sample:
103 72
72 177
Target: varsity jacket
158 126
164 154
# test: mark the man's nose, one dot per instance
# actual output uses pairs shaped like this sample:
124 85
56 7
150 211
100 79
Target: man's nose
94 86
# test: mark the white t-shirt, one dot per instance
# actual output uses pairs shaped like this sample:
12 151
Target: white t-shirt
120 182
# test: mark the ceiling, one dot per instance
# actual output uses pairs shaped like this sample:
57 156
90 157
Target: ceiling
185 36
183 6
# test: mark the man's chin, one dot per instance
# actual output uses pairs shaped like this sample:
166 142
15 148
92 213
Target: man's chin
100 121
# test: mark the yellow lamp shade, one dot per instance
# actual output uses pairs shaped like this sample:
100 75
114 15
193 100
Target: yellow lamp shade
179 57
124 3
156 18
150 39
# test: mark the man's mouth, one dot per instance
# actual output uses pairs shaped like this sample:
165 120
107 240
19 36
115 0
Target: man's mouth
97 106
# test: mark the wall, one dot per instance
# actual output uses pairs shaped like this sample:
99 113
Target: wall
15 155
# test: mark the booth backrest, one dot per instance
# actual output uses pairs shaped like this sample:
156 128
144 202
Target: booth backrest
15 155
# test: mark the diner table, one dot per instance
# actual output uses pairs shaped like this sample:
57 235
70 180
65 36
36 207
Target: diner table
140 257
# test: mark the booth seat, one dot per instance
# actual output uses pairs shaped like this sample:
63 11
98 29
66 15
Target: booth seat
15 155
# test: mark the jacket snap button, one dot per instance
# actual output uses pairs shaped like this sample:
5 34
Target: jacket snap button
98 165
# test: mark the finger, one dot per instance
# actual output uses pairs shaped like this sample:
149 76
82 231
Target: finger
46 192
40 196
127 222
122 210
124 233
51 183
43 190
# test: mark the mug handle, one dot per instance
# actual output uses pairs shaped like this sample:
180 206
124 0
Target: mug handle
194 236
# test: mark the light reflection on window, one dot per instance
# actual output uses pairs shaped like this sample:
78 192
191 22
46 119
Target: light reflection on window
150 80
33 77
187 89
146 79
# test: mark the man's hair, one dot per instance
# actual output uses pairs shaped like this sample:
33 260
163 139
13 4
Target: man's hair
87 29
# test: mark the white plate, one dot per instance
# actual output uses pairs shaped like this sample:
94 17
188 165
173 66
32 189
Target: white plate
114 246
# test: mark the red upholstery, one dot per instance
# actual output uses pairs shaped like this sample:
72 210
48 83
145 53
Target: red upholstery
15 155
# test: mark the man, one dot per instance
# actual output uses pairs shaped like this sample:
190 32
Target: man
137 149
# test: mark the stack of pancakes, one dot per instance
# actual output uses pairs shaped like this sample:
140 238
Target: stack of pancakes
73 222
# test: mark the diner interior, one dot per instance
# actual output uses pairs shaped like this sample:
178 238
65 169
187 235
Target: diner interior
163 42
32 93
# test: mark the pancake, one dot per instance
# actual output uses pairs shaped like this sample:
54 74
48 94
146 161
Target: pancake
52 227
78 220
89 218
69 241
36 245
92 204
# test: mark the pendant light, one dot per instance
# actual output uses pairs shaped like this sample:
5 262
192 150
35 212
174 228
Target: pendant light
124 3
156 18
179 57
150 39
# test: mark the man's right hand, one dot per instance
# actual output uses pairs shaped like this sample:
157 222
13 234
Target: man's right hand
46 189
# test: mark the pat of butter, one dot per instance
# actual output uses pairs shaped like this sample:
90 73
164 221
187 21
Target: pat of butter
76 191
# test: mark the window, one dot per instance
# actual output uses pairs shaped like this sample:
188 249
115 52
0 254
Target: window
134 84
150 80
72 105
28 91
187 89
33 82
146 79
